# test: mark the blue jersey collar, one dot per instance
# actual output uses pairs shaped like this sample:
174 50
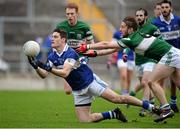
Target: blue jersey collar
64 50
167 22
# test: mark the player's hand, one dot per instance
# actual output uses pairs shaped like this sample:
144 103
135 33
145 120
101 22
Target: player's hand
124 57
46 66
33 62
90 53
82 48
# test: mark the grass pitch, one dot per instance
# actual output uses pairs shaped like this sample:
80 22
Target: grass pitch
55 109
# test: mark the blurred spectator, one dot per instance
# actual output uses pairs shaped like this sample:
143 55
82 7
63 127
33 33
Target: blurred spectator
4 66
45 47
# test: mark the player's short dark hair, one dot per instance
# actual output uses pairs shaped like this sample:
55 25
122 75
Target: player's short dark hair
166 2
130 21
159 3
72 6
62 33
144 10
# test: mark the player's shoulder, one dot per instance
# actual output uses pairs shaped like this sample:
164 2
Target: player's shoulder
62 24
82 24
156 20
71 53
176 17
151 25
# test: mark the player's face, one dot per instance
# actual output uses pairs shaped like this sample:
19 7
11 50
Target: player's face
165 9
157 11
71 15
124 29
140 18
56 40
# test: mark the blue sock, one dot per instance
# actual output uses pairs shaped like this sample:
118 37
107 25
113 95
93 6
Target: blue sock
124 92
147 105
173 100
109 115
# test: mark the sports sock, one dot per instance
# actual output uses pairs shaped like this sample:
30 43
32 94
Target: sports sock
146 105
124 92
173 100
109 115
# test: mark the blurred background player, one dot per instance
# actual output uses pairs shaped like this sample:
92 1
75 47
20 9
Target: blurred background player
125 68
77 33
169 26
157 12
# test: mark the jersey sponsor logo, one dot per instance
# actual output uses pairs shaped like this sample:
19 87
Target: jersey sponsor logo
144 45
79 36
171 35
74 42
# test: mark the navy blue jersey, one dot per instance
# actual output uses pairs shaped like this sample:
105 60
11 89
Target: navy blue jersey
170 30
81 75
117 35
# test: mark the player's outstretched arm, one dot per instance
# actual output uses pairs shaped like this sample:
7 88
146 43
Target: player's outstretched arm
98 46
94 53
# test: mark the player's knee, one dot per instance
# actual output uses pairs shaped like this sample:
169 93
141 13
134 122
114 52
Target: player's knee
84 120
150 83
144 82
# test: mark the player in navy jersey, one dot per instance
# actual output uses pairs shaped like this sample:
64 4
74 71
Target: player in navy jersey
169 26
64 62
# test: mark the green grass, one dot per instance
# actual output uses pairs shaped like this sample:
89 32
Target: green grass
54 109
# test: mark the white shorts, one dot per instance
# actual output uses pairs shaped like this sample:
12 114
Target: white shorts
85 96
140 69
129 64
171 58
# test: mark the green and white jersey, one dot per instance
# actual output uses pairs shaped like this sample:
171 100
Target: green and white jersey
76 34
150 29
145 45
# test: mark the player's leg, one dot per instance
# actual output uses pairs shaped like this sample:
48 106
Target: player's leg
83 99
138 86
130 67
173 98
67 88
123 76
161 71
174 78
84 115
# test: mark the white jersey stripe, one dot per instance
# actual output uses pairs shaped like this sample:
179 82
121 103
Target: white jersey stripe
144 45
